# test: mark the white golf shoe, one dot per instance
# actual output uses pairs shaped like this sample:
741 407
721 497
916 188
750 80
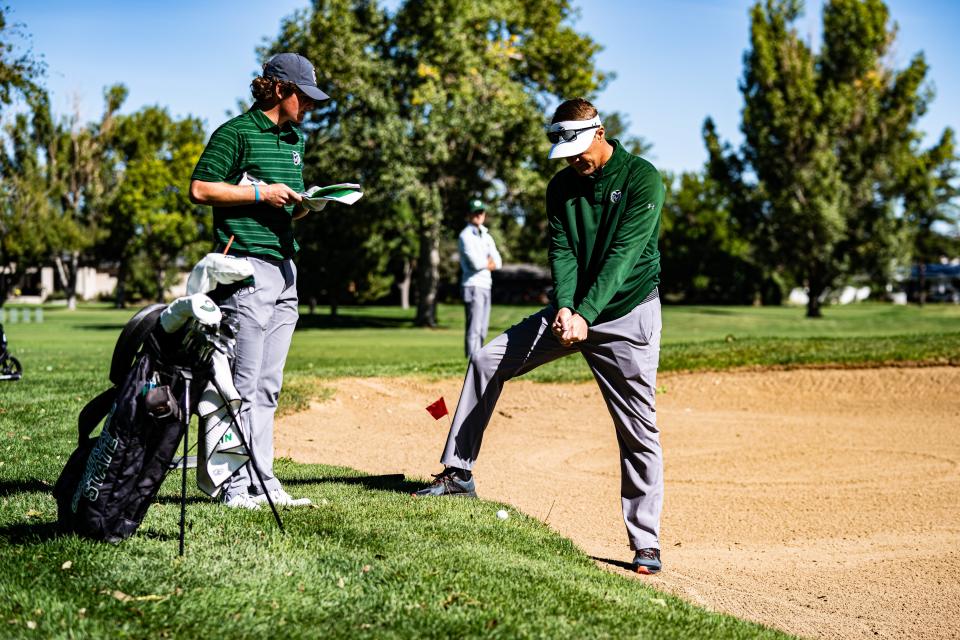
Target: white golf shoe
241 501
281 499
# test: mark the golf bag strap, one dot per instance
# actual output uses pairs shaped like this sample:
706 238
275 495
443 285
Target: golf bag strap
132 337
94 412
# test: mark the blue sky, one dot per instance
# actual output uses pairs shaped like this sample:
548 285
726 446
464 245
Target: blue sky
676 61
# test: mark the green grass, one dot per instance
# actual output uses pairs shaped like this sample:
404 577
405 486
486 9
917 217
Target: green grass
693 338
382 341
370 562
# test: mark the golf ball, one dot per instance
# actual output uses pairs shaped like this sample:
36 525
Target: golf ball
502 514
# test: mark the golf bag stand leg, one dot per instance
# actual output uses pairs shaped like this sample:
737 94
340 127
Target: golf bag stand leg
187 377
235 419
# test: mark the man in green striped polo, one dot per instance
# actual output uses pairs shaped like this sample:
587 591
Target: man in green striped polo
251 173
604 215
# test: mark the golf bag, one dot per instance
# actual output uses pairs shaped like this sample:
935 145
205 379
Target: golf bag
160 366
110 481
10 368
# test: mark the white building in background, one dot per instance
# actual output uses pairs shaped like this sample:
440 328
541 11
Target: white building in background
92 284
847 295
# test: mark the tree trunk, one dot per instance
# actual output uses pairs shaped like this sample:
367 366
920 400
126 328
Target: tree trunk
405 285
428 276
159 285
815 289
813 307
4 286
120 297
67 269
921 283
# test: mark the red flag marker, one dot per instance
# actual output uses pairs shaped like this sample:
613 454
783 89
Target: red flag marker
438 409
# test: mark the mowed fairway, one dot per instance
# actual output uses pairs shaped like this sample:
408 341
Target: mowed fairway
368 561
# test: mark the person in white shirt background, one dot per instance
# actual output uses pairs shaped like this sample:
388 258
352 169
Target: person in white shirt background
478 258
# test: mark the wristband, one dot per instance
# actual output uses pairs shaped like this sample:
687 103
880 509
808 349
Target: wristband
256 193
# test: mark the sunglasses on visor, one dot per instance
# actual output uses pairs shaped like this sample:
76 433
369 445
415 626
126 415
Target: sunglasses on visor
567 135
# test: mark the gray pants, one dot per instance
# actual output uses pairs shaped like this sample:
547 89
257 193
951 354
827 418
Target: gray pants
476 304
268 315
623 355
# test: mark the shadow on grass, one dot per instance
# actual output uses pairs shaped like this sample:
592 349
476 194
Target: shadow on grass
106 326
166 536
326 321
708 311
12 487
620 564
190 500
30 533
396 482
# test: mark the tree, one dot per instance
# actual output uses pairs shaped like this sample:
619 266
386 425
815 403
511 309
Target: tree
79 170
435 104
827 134
706 257
33 223
930 201
149 217
110 190
19 70
21 238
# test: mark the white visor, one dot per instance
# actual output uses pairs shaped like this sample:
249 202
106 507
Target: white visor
585 131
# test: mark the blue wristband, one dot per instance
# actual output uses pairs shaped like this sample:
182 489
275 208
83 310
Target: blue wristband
256 193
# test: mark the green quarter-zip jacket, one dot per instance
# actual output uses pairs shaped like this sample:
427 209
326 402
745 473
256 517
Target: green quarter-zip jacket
251 143
603 236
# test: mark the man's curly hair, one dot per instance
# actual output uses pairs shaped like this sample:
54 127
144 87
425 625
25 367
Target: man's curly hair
263 89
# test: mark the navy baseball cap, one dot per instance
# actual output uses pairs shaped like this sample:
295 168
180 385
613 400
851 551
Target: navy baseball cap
294 68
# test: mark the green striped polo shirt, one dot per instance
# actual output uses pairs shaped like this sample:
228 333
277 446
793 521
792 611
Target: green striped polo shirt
251 143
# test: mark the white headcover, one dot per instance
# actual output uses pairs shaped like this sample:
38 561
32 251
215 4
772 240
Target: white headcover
199 306
578 145
216 268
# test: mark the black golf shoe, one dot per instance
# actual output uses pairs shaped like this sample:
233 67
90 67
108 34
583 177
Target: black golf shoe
450 482
647 561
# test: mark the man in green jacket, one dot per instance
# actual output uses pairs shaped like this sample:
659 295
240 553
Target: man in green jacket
604 215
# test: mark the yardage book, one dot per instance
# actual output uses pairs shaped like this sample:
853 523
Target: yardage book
346 192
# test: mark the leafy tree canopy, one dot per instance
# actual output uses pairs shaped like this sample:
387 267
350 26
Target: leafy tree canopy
435 104
818 183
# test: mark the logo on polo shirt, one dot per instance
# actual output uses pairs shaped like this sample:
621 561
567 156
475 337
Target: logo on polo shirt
296 158
615 196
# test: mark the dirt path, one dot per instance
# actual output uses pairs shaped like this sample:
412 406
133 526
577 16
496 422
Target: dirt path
822 502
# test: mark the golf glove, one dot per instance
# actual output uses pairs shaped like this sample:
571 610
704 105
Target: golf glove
312 205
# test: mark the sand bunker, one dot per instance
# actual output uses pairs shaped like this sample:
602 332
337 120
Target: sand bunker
822 502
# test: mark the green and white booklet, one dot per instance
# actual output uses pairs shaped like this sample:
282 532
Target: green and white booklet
345 192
